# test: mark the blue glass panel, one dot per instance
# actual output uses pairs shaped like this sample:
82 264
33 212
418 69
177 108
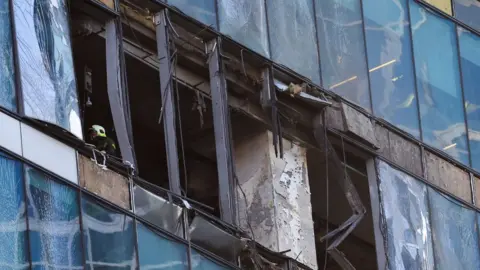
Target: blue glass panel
405 209
438 82
342 49
200 262
53 219
46 63
156 252
13 253
245 21
7 76
202 10
455 236
108 237
389 51
470 61
468 12
292 36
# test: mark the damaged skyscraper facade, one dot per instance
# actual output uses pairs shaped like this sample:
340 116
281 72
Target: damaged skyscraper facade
249 134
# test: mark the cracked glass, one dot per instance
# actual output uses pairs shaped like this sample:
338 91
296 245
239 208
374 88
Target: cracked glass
7 74
108 236
438 82
46 64
53 220
13 248
293 36
389 50
245 21
342 49
470 61
454 233
405 210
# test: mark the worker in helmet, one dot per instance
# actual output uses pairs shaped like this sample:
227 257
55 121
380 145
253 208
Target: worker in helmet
99 138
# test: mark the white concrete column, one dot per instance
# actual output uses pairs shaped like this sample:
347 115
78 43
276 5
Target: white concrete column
277 196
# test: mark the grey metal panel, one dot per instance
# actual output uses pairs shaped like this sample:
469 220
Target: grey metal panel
115 90
168 103
212 238
157 210
221 119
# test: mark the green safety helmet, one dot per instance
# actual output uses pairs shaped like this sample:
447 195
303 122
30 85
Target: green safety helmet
99 130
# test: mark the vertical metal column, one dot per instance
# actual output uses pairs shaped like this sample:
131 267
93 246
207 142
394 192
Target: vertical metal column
221 120
168 103
116 89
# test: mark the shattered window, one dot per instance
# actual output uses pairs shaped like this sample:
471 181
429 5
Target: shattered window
173 255
202 10
470 61
467 11
12 216
108 237
454 230
53 219
406 219
293 37
200 262
342 49
245 21
7 76
46 63
438 82
389 51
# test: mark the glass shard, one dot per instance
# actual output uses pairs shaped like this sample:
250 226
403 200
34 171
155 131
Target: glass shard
46 63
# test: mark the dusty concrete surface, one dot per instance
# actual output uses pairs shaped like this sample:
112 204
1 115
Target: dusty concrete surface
105 183
476 182
359 124
447 176
277 193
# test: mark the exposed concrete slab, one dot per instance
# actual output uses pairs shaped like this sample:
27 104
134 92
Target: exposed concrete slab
383 137
447 176
359 124
277 192
476 182
105 183
405 153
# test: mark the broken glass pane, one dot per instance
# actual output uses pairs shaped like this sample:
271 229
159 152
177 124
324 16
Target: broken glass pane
342 49
293 36
405 210
53 219
454 230
108 237
46 63
12 215
202 10
7 76
172 257
245 21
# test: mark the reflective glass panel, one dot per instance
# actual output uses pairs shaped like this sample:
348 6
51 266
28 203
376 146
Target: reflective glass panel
13 253
202 10
389 51
443 5
46 63
53 219
7 76
245 21
156 252
200 262
293 37
468 12
108 237
406 216
342 49
438 82
470 61
455 236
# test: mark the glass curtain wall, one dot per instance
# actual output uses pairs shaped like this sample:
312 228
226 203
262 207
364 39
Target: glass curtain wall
7 75
467 11
425 229
45 62
202 10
